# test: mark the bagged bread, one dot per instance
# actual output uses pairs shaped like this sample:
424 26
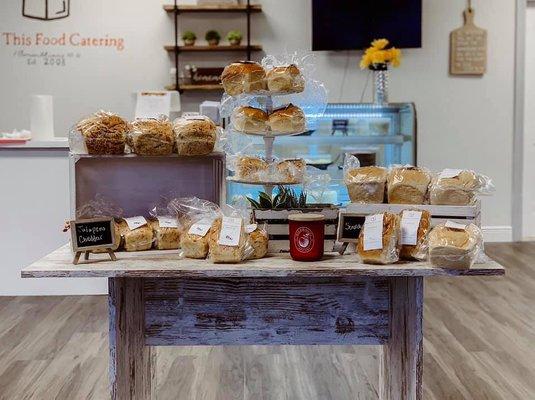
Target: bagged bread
258 239
458 187
166 233
415 225
290 171
378 239
285 79
102 133
194 135
227 240
455 246
287 119
252 169
151 137
366 184
136 234
243 77
194 241
407 185
250 120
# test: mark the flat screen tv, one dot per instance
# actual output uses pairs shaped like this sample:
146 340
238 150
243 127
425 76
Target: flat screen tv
353 24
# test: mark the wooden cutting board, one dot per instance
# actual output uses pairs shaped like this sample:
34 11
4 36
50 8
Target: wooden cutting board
468 48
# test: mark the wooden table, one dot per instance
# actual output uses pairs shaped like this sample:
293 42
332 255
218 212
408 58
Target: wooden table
155 299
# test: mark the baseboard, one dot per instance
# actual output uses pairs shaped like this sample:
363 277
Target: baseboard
497 233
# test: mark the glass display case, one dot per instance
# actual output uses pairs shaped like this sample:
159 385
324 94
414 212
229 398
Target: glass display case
377 135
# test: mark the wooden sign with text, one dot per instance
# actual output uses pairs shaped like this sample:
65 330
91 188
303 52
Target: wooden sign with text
349 227
468 48
92 234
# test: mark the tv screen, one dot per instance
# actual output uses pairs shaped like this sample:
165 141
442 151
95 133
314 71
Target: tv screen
352 25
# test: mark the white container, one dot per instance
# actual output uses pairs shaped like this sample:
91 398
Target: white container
42 117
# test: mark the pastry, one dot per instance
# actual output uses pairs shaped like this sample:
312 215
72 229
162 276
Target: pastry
194 135
415 225
104 133
151 137
252 169
259 241
165 238
287 79
135 239
407 185
243 77
194 240
287 119
366 184
290 171
386 248
454 246
250 120
221 253
456 190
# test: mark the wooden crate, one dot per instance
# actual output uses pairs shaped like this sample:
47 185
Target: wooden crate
278 229
439 214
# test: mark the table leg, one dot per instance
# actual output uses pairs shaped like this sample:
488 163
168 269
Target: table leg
402 360
131 362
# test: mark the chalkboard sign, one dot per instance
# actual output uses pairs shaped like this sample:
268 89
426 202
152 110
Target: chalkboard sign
349 226
92 234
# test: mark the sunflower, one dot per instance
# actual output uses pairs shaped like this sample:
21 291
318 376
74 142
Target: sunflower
380 44
377 54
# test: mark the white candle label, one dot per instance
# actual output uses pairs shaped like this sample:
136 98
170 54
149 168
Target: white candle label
410 222
251 228
201 228
135 222
373 232
455 225
450 173
230 232
167 222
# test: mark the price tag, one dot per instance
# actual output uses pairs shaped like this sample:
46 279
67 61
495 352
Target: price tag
251 228
410 222
449 173
230 232
201 228
455 225
373 232
135 222
167 222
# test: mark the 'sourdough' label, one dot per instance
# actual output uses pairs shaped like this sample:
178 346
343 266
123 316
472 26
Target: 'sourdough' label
135 222
230 232
410 222
373 232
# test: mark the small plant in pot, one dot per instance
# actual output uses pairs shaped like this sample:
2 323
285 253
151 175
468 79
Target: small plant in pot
234 38
189 38
212 37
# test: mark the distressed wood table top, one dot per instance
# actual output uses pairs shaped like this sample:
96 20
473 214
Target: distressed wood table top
167 264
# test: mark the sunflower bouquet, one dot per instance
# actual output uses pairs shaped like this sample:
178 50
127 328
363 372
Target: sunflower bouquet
377 57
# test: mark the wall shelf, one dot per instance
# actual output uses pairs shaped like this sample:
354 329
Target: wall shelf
188 87
213 8
252 47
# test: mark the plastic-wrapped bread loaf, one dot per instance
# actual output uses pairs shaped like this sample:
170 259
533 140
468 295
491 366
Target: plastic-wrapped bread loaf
249 120
285 79
252 169
415 225
152 137
290 171
194 135
287 119
378 241
227 240
136 239
194 240
454 245
103 133
458 187
366 184
243 77
408 185
259 241
165 237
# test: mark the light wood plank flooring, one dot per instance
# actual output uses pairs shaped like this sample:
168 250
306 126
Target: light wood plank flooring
479 344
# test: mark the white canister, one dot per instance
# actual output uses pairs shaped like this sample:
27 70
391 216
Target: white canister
42 117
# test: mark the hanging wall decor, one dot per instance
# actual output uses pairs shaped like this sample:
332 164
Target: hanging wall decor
468 47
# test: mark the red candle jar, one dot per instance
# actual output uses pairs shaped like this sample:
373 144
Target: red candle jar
307 233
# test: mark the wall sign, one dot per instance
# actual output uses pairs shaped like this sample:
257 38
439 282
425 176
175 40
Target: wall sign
468 48
92 234
46 10
349 227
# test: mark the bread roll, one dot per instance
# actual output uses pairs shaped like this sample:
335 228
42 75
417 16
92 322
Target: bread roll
194 246
104 133
389 253
250 120
459 190
259 241
454 248
137 239
243 77
416 251
252 169
290 171
195 135
287 119
408 185
366 184
287 79
164 238
219 253
151 137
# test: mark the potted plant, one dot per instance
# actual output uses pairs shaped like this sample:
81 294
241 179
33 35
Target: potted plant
212 37
377 58
234 38
189 38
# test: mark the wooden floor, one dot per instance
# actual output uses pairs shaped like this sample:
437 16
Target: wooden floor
479 344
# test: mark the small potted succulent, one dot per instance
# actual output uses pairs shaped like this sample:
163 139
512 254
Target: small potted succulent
234 38
189 38
212 37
